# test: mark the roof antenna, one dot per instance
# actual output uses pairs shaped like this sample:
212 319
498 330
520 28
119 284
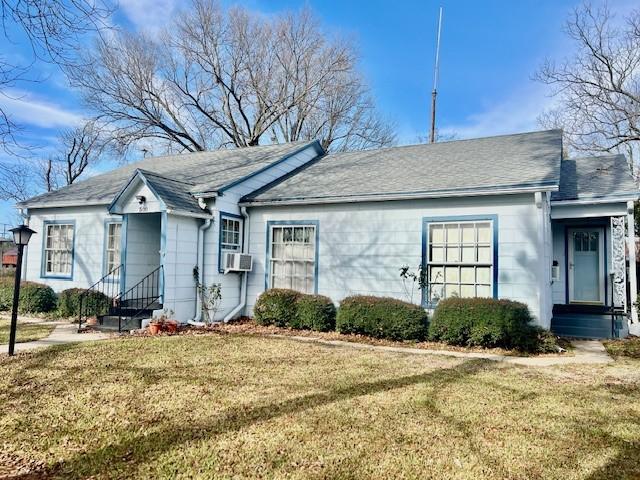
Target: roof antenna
434 93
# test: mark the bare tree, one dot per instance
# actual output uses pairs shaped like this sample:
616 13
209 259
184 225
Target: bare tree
53 29
219 78
15 179
79 148
598 88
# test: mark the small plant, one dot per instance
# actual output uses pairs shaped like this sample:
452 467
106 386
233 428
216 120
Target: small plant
162 321
210 297
412 277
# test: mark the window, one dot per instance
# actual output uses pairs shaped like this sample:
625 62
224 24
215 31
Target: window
292 257
112 246
230 234
58 249
460 260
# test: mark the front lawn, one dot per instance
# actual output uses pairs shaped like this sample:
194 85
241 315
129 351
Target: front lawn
220 406
25 332
625 347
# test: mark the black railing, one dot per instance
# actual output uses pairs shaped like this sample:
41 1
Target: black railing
99 298
143 296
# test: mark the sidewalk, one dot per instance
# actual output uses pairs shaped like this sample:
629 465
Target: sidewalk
61 335
585 352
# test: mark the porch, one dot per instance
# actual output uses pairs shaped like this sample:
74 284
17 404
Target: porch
592 282
133 287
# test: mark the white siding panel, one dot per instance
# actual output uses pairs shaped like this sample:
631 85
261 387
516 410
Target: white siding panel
362 246
179 259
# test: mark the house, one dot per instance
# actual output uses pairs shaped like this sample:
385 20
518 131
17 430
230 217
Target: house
504 217
10 258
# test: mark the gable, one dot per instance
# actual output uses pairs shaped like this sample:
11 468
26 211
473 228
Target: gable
206 173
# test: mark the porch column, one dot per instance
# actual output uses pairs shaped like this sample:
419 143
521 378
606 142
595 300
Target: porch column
631 246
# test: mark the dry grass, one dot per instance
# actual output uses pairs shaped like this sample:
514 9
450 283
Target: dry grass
25 332
221 406
627 347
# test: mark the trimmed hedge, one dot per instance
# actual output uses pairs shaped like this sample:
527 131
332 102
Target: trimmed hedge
276 307
34 297
315 312
69 302
382 317
484 322
288 308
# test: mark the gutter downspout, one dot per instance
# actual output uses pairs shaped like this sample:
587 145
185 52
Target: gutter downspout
207 223
245 275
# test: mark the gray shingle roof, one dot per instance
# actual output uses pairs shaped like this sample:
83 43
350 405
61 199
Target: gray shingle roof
206 171
508 161
595 177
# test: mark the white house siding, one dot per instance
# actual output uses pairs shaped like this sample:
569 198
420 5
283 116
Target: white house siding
142 246
88 245
228 203
363 245
180 257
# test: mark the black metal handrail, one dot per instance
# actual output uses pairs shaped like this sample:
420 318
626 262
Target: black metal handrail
140 297
99 297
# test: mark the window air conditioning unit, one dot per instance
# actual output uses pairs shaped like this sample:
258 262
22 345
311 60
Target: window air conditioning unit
238 262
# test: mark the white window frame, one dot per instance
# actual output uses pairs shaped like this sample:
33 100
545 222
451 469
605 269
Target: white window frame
226 246
290 266
230 246
117 250
58 247
441 266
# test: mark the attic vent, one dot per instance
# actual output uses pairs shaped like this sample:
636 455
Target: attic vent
603 170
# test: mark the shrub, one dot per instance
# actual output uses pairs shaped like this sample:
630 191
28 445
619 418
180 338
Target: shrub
485 322
69 302
315 312
382 318
34 297
276 307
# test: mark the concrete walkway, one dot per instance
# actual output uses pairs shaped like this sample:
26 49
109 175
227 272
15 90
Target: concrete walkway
61 335
585 352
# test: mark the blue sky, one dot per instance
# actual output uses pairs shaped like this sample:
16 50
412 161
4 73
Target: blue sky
489 51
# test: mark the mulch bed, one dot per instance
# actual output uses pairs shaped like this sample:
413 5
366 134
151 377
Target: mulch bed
246 326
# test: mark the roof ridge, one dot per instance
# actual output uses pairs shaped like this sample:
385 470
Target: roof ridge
445 142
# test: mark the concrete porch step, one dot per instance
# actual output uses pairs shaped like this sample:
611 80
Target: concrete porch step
111 322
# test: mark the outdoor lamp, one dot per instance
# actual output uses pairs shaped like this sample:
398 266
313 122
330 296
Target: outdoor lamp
21 236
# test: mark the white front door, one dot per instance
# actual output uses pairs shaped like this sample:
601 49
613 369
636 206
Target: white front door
586 265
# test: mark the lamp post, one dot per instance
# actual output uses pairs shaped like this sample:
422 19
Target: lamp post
21 236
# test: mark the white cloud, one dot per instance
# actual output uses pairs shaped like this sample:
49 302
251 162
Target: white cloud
517 112
149 15
25 108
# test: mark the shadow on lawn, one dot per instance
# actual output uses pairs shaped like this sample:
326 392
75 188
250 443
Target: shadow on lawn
141 447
